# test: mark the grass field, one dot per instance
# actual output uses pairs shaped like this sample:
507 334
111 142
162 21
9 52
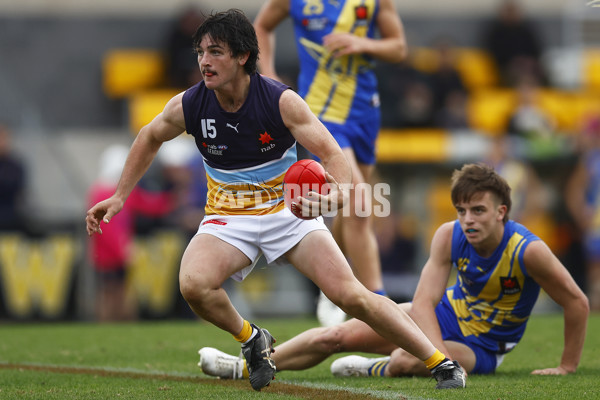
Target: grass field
157 360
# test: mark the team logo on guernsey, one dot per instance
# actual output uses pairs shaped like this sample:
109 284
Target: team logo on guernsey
314 24
266 139
510 285
361 13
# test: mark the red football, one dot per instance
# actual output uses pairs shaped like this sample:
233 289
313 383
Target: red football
302 177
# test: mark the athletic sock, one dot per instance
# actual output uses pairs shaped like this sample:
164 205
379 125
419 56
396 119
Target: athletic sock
436 359
246 334
378 369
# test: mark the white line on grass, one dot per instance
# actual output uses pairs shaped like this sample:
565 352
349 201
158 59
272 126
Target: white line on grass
380 394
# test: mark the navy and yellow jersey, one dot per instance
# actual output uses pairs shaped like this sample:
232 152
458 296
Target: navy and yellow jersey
246 153
336 89
493 297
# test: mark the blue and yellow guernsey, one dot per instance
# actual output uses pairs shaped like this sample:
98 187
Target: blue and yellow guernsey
246 153
336 89
493 297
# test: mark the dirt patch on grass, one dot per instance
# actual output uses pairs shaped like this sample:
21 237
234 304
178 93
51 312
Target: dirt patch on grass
275 387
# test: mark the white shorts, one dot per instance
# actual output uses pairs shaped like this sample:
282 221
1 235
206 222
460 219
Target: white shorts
271 234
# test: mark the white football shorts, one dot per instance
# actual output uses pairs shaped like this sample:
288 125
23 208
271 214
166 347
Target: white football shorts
254 235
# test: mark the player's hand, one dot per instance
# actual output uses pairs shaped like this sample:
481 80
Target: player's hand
550 371
103 211
342 44
315 204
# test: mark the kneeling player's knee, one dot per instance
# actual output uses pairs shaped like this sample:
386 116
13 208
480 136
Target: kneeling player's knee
329 340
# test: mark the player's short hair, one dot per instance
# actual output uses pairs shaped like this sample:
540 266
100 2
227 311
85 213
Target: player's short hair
235 29
473 179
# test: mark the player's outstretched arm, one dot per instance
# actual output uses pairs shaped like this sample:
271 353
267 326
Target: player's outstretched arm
165 126
432 286
553 277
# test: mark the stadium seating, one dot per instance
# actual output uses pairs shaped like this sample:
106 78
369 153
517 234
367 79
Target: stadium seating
145 105
127 71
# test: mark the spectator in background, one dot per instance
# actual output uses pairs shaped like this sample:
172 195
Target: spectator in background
449 91
12 185
582 199
526 194
528 120
182 63
110 253
183 169
416 108
514 44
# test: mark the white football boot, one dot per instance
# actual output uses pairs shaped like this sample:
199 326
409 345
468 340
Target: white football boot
216 363
355 365
328 313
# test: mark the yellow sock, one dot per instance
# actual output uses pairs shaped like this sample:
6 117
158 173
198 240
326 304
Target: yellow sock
245 334
435 359
245 373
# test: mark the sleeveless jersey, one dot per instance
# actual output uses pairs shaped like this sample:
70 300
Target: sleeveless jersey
493 297
336 89
246 153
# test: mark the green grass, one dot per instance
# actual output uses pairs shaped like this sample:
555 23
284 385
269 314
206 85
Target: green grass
157 360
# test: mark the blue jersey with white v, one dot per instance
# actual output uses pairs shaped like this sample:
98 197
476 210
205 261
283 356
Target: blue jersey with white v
246 153
493 297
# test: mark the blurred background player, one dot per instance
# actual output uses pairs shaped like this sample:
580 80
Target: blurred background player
336 46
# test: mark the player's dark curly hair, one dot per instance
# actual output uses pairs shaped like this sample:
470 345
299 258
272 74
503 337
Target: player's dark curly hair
235 29
472 179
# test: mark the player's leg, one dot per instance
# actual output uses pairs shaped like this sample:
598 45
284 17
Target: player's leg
206 263
355 236
357 233
303 351
318 257
404 364
313 346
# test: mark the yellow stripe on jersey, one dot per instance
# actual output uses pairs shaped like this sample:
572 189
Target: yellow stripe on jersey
475 313
244 198
332 91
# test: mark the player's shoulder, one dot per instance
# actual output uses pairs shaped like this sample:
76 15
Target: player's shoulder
442 238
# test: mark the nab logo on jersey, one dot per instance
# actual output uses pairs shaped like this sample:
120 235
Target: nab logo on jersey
510 285
266 139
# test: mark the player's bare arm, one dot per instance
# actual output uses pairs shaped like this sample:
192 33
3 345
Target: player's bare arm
313 135
391 47
165 126
432 285
272 13
545 268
